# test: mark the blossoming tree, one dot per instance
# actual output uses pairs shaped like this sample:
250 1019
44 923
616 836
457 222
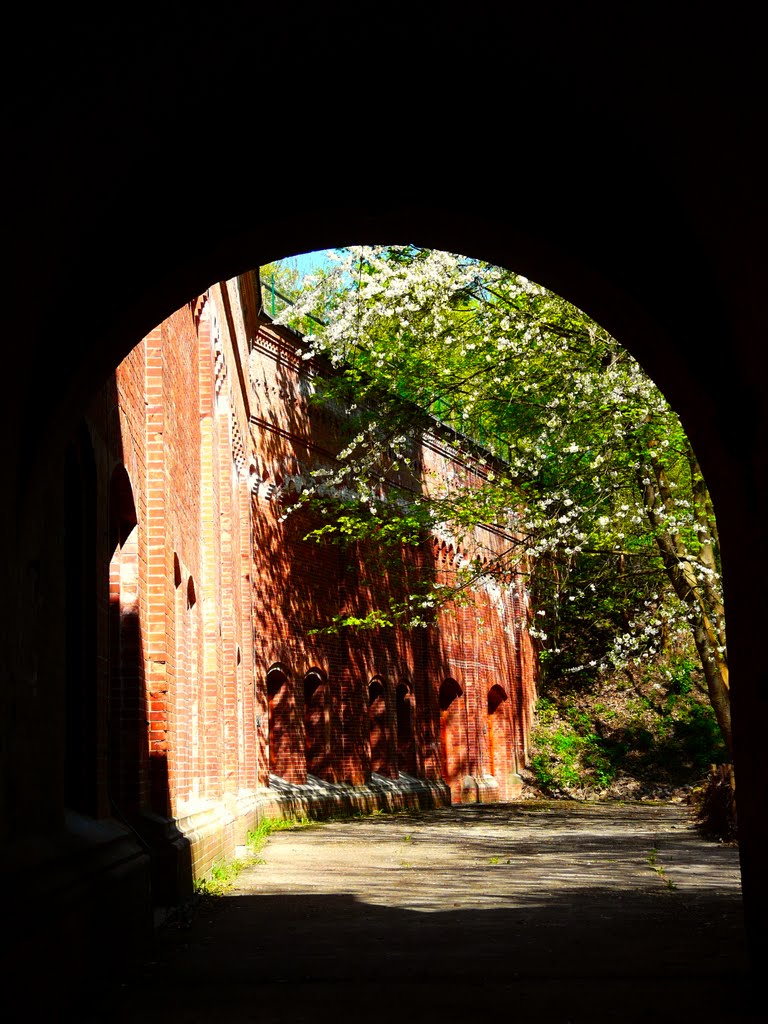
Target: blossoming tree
588 467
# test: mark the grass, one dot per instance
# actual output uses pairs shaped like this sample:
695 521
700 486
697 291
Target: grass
223 873
257 839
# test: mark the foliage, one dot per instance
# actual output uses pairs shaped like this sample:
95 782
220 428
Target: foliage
584 466
568 756
280 283
647 731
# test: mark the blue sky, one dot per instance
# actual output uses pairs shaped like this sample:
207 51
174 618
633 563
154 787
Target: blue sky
308 261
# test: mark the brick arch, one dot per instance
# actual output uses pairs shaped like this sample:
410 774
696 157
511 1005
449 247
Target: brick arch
380 726
182 675
669 204
286 728
200 311
317 722
405 721
500 747
496 697
454 735
190 689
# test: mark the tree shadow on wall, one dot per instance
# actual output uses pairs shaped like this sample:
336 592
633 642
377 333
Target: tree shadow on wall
301 586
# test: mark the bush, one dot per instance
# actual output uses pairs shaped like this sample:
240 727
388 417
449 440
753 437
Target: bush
649 732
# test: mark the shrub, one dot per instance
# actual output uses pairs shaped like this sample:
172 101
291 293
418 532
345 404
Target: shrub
647 732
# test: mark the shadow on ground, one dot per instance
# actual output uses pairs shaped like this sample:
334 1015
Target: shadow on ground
558 912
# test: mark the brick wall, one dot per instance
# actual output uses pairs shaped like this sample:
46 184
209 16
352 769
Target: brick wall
381 690
212 685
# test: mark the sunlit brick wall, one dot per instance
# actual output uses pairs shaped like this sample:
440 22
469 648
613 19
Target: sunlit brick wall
299 585
211 418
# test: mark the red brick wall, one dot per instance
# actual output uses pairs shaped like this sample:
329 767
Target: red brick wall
209 594
485 647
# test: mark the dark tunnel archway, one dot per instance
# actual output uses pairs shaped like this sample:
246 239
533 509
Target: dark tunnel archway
647 337
661 241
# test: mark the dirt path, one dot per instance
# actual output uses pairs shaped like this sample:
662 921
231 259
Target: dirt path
561 912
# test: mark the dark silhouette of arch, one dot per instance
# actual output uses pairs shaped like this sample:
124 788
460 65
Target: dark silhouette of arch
685 195
81 740
127 699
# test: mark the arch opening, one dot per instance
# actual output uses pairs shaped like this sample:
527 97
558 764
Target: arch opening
500 739
578 482
405 706
659 248
454 753
317 724
287 755
378 726
299 716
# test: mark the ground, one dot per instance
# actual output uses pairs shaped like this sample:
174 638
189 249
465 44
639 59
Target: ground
560 910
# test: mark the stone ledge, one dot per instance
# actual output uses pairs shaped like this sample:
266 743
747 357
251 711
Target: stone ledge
318 799
479 789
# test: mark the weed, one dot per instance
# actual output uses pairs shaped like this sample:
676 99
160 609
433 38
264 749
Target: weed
494 860
223 875
258 837
653 862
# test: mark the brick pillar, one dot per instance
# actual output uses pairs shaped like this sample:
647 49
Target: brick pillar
210 711
249 750
156 577
227 690
261 697
182 688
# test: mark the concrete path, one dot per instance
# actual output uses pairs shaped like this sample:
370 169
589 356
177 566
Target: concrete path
542 911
